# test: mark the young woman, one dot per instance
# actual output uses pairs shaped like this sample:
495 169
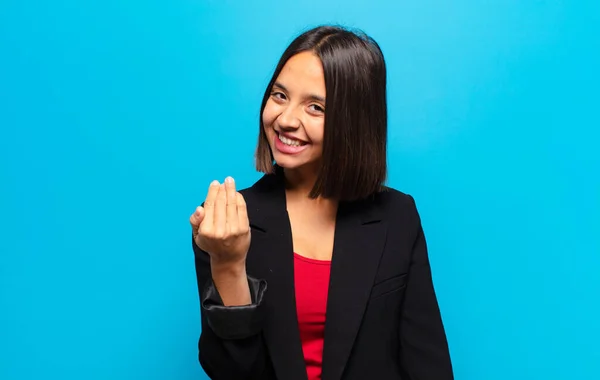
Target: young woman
318 271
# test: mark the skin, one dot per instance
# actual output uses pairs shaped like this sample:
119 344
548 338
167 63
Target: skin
295 109
221 228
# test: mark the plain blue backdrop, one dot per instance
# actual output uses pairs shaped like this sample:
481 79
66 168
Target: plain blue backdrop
115 116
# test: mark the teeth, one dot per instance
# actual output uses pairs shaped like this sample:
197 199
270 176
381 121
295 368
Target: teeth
287 141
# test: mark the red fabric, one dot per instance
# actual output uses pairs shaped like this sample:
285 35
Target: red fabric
312 283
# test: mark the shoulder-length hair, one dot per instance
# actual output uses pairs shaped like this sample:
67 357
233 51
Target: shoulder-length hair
354 162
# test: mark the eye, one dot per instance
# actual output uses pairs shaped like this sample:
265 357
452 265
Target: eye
316 108
278 95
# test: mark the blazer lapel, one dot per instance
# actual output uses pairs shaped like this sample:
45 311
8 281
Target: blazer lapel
359 241
272 250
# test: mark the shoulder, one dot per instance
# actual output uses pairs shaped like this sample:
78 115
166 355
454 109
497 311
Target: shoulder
395 198
265 185
394 201
265 198
395 206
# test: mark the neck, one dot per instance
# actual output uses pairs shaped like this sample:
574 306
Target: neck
299 183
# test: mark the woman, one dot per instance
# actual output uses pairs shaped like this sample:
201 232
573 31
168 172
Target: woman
318 271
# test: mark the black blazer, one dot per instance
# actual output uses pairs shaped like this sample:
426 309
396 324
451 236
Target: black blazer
382 318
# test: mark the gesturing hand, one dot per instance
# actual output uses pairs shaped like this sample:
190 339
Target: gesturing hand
221 227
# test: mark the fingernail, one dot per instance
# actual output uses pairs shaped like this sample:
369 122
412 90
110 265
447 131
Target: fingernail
214 183
229 180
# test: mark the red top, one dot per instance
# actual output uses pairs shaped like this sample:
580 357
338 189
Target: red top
311 279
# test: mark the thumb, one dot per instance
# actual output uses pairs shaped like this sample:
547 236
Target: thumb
197 217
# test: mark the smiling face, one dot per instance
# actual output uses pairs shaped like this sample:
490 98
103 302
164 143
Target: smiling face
294 115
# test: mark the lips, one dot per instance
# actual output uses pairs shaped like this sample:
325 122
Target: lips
289 140
287 145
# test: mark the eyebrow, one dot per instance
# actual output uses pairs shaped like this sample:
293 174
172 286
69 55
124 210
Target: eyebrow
310 96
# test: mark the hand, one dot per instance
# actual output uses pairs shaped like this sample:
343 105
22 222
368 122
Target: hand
221 227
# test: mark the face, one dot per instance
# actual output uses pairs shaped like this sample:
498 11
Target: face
294 115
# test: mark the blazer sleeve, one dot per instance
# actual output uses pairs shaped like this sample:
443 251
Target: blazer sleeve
231 345
424 348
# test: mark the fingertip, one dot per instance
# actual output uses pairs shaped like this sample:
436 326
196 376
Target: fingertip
214 183
229 180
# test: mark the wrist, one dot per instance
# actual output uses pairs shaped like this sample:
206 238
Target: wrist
228 269
231 282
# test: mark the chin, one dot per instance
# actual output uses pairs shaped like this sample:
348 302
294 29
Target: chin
286 162
293 164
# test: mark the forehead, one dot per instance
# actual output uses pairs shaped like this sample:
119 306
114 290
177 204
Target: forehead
303 71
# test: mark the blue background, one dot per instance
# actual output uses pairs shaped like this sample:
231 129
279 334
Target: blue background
115 116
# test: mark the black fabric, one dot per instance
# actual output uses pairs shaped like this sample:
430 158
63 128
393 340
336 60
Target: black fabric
236 322
382 317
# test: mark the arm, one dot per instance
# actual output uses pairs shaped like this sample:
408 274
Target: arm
424 349
231 344
231 303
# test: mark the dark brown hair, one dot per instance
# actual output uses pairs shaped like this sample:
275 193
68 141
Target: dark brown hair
355 137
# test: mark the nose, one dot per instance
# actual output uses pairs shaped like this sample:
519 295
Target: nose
288 120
